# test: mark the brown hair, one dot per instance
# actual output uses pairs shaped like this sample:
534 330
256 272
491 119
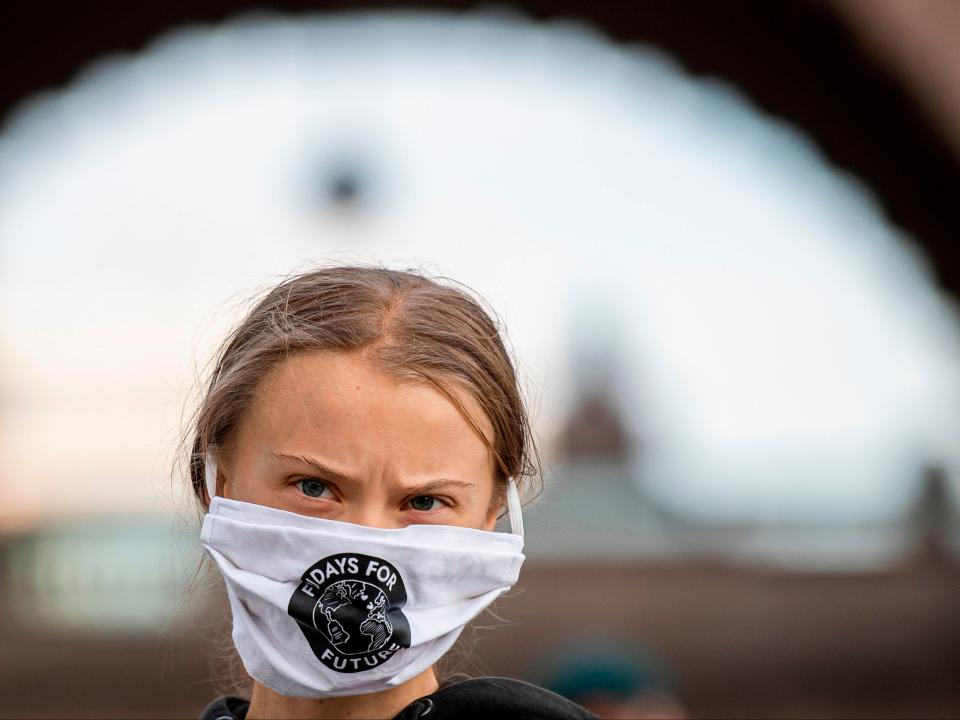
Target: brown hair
416 327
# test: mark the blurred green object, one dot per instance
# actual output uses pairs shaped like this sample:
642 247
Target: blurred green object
101 574
605 669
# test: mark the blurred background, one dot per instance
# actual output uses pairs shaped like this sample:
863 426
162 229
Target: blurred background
721 237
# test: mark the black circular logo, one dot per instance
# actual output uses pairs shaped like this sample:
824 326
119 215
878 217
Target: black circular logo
348 607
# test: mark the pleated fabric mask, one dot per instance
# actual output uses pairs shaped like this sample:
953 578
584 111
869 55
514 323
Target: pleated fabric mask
324 608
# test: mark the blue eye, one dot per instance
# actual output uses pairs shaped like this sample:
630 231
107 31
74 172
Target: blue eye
312 488
423 502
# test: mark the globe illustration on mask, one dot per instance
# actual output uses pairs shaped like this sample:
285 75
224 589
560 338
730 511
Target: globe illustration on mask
352 615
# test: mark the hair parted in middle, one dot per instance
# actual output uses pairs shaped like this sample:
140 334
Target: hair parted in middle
416 327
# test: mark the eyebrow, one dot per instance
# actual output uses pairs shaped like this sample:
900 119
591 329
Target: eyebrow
315 465
326 472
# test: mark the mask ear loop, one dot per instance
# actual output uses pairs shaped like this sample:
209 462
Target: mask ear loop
210 472
514 509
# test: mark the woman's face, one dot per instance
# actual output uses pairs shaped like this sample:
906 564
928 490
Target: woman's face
330 434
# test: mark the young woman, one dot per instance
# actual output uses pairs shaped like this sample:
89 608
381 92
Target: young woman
360 435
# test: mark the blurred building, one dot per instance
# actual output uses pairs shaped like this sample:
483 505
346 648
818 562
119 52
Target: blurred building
604 570
761 615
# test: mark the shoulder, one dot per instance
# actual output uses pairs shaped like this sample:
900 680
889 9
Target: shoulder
226 708
494 697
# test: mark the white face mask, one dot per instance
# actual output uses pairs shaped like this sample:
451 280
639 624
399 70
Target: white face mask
323 608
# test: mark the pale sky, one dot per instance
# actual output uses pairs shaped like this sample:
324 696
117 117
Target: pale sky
781 345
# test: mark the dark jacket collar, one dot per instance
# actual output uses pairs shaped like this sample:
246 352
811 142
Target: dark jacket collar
478 697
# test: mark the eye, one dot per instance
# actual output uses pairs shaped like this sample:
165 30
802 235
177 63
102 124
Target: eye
423 502
312 488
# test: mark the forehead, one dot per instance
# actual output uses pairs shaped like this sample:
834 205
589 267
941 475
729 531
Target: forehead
347 408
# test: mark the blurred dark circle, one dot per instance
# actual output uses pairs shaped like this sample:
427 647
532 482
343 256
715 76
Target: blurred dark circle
345 188
345 185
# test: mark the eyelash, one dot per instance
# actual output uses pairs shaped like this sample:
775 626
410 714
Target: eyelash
299 485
